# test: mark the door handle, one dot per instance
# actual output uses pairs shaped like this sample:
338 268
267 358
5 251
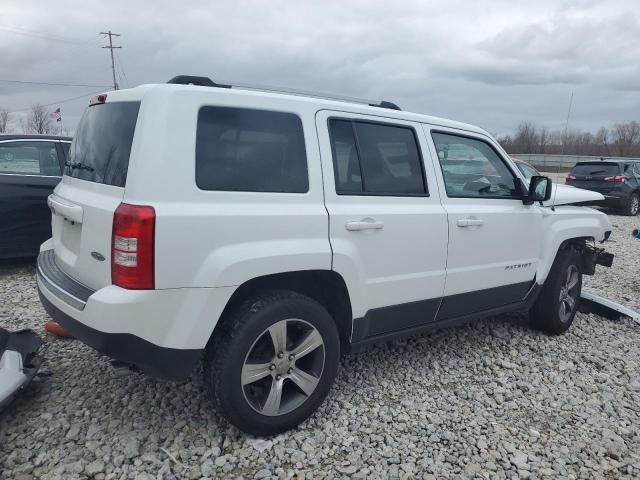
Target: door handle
470 222
364 224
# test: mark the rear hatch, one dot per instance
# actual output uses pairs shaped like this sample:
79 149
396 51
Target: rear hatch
595 176
92 187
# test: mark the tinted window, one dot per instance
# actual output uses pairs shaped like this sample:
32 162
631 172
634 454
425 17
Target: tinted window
247 150
65 150
376 159
596 168
472 168
346 164
102 143
29 158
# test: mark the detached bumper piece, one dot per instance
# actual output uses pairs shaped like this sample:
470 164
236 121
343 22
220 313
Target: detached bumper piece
593 303
19 361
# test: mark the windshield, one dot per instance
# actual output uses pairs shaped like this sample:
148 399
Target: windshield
102 144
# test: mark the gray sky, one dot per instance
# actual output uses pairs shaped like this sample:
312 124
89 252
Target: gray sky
492 63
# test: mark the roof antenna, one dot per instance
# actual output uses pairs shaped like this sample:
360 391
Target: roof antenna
564 141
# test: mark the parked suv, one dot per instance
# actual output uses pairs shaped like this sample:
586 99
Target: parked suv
266 234
618 181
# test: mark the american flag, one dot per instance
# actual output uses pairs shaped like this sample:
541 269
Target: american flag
57 115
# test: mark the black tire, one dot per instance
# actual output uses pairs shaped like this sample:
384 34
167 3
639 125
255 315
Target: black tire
241 334
546 314
633 205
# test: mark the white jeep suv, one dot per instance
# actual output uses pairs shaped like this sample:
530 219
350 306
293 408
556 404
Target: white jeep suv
266 234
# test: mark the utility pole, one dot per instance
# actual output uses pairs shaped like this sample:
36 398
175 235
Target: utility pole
111 47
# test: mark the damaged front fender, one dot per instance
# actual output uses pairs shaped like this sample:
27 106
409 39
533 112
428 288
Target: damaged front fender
19 361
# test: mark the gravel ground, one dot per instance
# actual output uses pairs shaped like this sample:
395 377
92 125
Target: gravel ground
494 399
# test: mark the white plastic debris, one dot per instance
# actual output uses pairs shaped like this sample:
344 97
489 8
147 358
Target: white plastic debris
610 305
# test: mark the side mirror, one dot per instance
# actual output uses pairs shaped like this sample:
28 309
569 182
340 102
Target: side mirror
539 189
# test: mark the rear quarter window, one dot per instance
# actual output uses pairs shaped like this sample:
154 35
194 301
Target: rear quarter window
247 150
102 143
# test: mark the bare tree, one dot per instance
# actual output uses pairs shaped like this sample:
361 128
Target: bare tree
526 138
543 140
602 140
38 120
5 115
621 140
625 138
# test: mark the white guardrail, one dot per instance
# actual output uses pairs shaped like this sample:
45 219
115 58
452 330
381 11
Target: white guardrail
541 161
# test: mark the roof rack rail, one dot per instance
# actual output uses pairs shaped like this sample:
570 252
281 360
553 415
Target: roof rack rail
195 80
207 82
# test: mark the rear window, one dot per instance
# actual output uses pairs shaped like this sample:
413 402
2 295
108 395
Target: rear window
596 168
239 149
102 143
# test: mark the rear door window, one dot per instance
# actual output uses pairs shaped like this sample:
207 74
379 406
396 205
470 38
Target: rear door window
29 158
102 143
247 150
371 158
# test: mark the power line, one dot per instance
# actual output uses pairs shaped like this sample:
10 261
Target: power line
31 33
64 100
111 47
54 84
121 67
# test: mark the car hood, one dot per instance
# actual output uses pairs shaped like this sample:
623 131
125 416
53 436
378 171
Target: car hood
568 195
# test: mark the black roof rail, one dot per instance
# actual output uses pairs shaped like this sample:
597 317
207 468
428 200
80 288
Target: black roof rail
385 104
207 82
195 80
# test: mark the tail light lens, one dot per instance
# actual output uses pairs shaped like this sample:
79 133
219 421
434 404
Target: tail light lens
132 247
570 177
616 179
98 100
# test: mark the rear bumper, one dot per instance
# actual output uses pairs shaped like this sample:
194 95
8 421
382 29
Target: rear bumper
612 198
159 362
163 332
614 201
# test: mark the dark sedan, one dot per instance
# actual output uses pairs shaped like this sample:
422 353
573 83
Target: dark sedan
30 167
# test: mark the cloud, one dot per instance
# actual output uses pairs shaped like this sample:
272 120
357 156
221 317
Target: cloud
494 63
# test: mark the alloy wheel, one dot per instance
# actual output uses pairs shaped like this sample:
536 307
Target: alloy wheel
569 291
283 367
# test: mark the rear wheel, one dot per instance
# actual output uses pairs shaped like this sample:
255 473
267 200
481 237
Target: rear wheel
633 205
557 304
273 362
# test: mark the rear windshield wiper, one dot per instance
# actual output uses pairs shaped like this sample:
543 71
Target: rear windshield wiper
79 166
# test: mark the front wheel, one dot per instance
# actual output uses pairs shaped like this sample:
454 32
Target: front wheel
273 362
557 304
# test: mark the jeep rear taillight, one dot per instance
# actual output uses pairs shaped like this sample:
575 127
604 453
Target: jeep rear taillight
570 177
616 179
132 247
